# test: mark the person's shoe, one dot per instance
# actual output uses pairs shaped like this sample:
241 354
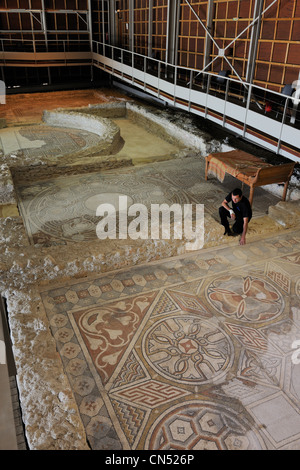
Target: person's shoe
228 232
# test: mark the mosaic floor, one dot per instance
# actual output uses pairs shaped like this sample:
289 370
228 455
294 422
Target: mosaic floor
63 210
141 145
196 352
38 141
28 108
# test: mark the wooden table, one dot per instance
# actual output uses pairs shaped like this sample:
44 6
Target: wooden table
248 169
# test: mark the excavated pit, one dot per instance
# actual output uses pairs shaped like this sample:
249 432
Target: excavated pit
48 237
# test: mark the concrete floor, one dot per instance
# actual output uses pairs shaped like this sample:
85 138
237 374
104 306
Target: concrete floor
192 352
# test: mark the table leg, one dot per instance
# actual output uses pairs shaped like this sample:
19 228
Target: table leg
251 195
206 168
285 190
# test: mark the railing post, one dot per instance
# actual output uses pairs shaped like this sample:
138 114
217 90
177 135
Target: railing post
175 83
64 46
225 100
113 58
122 62
247 108
2 45
158 90
191 82
207 93
132 66
282 123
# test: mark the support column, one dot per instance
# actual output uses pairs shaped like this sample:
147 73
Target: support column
113 33
44 23
90 24
208 41
90 28
254 41
150 27
172 32
131 25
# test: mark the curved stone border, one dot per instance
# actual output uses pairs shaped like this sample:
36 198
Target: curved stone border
107 130
7 190
175 132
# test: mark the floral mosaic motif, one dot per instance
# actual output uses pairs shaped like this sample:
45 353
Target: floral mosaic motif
245 298
187 349
107 331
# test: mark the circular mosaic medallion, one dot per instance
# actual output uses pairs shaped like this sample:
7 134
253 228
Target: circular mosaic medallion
199 425
43 140
66 208
245 298
188 349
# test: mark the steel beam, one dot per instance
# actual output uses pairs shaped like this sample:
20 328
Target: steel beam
131 25
258 8
150 27
172 32
209 23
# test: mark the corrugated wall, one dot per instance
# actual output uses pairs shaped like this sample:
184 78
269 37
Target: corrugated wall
144 27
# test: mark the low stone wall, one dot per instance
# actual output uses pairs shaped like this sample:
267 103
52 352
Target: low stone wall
7 190
174 130
106 129
159 123
108 110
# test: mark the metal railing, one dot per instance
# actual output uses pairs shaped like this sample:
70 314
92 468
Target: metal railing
42 45
260 115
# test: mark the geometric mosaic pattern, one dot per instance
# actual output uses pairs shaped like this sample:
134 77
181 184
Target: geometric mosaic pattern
203 426
62 210
188 349
240 297
192 353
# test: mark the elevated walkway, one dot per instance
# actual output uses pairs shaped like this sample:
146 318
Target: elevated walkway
237 106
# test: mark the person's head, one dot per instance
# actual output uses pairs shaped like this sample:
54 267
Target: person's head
236 195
